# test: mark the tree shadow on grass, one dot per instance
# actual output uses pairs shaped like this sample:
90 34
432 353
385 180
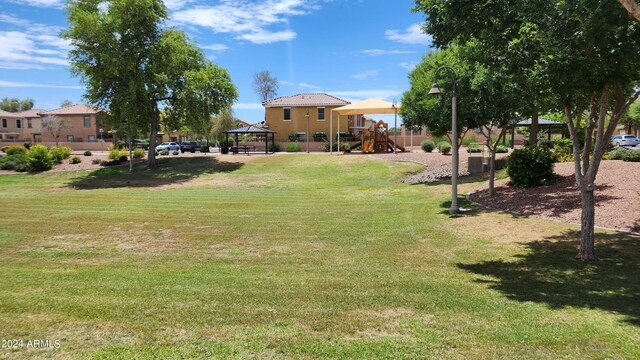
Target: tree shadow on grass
467 208
548 273
167 172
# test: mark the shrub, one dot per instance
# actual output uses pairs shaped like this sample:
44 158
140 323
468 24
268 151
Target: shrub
39 158
59 153
113 162
87 153
320 136
17 162
175 152
293 147
293 137
501 149
164 152
75 160
138 153
115 153
632 156
618 153
274 147
326 147
346 147
27 145
427 145
474 149
123 158
96 161
444 148
470 139
11 150
4 149
532 166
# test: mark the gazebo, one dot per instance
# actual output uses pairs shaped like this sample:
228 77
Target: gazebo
369 106
253 129
542 123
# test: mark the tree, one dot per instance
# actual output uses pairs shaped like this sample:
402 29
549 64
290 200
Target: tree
224 121
632 7
587 53
15 104
265 85
631 119
55 125
66 103
134 67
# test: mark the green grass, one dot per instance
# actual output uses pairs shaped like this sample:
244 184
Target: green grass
297 256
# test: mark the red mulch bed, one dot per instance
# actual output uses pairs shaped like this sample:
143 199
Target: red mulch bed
617 197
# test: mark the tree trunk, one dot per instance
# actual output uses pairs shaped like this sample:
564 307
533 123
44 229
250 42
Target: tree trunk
57 138
632 7
152 140
587 224
533 133
492 171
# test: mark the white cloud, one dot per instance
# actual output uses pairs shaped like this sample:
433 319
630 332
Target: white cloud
408 65
248 106
32 85
33 46
247 20
40 3
411 35
365 75
215 47
377 52
301 86
359 95
176 4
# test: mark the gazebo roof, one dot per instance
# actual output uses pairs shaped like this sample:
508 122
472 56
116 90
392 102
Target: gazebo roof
541 121
251 129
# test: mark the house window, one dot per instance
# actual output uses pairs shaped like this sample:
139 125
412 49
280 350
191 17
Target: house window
29 124
287 114
70 138
320 114
87 121
92 138
18 124
4 123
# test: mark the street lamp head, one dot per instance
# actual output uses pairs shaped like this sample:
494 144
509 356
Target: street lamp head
435 90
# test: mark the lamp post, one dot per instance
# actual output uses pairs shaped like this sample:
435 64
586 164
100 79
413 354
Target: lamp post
395 126
307 135
435 90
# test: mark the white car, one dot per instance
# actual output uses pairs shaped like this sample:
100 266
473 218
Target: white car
167 146
624 140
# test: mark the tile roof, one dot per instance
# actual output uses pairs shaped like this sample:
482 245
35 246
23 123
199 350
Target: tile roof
309 99
8 114
72 110
30 113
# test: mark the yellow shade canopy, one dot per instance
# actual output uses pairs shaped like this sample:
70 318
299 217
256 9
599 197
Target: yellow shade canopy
369 106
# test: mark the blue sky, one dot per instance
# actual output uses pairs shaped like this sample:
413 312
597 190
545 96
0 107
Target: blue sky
352 49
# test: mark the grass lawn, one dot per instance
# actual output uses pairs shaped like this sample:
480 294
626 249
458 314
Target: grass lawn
298 256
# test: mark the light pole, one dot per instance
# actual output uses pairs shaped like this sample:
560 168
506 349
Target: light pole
395 126
435 90
307 136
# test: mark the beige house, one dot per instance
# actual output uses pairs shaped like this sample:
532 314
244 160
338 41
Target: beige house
82 124
287 115
10 125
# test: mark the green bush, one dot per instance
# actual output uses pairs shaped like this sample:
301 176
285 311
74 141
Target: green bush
346 147
293 147
274 147
618 153
96 161
469 139
501 149
39 158
532 166
75 160
11 150
138 153
427 145
326 147
87 153
474 149
59 153
27 145
17 162
320 136
293 137
4 149
115 153
631 155
175 152
113 162
164 152
444 148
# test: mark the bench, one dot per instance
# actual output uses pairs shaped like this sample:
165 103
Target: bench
244 148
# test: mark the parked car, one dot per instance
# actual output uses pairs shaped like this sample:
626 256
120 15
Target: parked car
191 146
624 140
140 144
167 146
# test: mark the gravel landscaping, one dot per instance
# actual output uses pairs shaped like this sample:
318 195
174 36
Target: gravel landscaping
617 197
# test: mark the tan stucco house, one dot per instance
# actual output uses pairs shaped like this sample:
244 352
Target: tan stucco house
286 115
82 120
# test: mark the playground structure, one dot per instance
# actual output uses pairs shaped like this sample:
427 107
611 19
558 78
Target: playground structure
376 140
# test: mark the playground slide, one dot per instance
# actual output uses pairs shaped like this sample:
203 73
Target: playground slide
356 145
401 148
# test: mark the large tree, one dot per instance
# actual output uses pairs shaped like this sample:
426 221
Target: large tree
15 104
586 52
135 67
265 85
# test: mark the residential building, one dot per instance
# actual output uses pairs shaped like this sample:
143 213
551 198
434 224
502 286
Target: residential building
10 126
82 124
287 115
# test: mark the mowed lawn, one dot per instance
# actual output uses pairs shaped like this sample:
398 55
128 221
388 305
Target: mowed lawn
294 256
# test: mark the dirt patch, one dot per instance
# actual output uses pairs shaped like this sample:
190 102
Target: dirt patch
617 197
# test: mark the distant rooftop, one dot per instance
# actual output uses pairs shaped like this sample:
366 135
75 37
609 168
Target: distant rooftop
30 113
71 110
308 99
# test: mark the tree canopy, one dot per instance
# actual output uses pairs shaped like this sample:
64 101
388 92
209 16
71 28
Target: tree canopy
15 104
265 85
